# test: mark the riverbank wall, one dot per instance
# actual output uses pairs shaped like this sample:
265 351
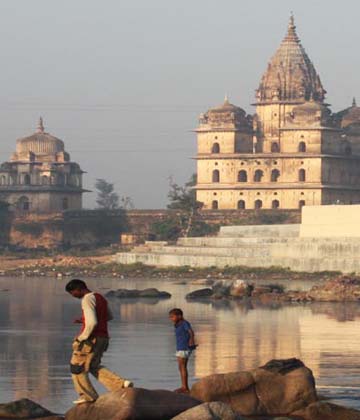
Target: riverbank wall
93 228
328 239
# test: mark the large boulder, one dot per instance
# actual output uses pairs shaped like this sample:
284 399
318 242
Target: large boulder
210 411
136 294
326 411
200 294
134 404
24 409
278 388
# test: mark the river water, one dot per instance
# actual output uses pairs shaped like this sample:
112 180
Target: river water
36 331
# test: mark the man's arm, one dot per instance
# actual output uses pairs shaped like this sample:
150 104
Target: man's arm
88 306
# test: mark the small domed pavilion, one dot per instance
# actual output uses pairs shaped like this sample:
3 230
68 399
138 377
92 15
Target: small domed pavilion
40 178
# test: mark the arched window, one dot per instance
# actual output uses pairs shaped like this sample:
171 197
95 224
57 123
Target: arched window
215 148
65 203
27 179
302 147
302 175
23 204
3 180
275 147
301 204
275 173
258 204
258 175
216 176
348 150
61 179
45 180
242 176
275 204
241 205
215 205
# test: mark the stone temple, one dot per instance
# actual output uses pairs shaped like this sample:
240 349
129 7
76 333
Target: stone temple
293 152
40 178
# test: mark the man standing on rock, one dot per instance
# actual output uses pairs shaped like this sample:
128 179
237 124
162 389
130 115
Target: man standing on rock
90 345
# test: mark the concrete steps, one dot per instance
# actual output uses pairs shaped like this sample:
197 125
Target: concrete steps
260 231
179 260
263 246
244 251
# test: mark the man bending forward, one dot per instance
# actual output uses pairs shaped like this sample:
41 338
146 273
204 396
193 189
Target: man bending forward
90 345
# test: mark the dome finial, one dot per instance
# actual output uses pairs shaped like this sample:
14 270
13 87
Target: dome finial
292 19
291 33
354 102
40 127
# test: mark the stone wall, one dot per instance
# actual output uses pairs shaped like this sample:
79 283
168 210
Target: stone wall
92 228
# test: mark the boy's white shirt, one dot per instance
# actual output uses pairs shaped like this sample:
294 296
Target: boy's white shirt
88 305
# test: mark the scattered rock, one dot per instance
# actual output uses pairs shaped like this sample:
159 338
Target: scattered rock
23 409
200 294
240 289
341 289
222 287
134 293
210 411
326 411
203 282
134 404
278 388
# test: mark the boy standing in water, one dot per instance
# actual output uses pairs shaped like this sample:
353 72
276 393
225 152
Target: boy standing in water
185 344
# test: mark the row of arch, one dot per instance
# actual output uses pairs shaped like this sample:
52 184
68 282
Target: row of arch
25 179
24 203
258 175
258 204
275 148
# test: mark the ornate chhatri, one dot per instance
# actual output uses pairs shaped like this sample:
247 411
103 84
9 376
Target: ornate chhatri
292 152
40 177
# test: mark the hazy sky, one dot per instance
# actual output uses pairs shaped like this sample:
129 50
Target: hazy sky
123 82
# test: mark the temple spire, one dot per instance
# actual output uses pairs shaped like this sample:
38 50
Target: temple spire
291 32
40 127
354 102
226 100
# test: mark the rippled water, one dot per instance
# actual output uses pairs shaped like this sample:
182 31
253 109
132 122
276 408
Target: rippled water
36 331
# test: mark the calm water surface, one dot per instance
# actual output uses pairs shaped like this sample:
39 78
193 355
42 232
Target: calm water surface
36 331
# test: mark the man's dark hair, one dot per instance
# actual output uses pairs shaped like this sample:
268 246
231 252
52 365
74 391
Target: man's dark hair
75 284
176 311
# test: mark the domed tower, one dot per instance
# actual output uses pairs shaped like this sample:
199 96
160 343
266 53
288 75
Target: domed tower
290 80
40 177
223 132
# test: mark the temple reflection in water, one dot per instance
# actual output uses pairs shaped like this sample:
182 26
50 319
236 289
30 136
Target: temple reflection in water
36 331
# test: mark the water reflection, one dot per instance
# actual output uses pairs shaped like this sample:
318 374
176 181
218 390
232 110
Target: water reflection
36 330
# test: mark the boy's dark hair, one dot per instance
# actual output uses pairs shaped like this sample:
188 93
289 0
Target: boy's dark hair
176 311
75 284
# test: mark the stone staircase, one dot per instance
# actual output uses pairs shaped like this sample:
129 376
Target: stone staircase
327 240
234 246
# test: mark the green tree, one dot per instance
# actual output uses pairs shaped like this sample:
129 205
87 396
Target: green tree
107 198
184 198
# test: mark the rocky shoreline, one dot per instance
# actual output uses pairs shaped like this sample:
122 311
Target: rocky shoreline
339 289
280 389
